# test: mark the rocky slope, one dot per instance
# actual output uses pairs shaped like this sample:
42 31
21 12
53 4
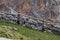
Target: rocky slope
42 9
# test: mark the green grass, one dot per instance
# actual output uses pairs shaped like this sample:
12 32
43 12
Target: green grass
32 34
12 34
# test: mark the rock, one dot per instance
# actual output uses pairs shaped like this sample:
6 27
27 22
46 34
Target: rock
23 24
57 25
49 31
55 30
15 29
1 38
39 28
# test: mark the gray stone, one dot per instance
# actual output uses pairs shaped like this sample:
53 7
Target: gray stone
15 29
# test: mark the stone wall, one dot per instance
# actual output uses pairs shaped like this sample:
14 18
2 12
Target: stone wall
8 17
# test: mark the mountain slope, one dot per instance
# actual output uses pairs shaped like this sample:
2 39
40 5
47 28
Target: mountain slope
45 9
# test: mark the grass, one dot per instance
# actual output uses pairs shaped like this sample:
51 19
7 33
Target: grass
32 34
11 34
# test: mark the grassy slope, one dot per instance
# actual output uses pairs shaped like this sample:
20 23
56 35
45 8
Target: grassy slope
12 34
32 34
